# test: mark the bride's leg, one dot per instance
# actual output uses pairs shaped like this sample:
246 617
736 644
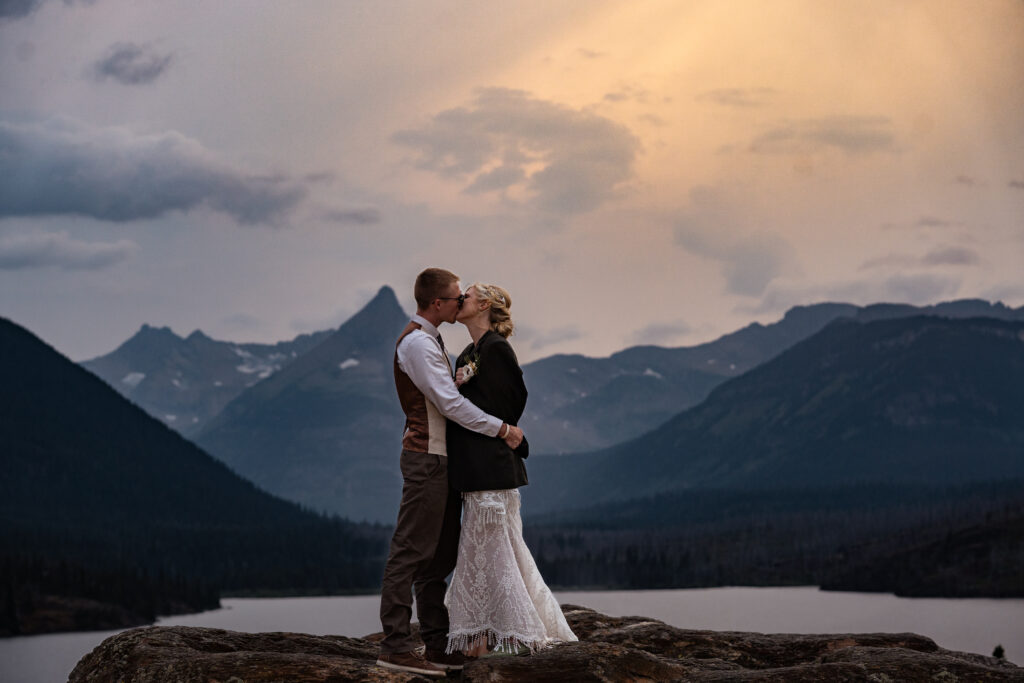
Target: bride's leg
477 648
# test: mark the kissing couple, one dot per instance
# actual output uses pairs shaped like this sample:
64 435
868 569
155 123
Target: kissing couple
462 463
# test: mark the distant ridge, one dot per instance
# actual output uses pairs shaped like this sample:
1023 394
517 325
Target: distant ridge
581 404
912 400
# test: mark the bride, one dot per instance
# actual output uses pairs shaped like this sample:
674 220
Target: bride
497 599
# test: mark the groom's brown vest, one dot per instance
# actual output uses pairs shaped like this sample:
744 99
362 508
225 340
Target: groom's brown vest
424 424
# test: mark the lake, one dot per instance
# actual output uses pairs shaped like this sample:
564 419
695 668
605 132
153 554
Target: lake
969 625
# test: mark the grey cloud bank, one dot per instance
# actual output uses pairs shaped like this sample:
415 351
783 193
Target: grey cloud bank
60 250
15 9
61 166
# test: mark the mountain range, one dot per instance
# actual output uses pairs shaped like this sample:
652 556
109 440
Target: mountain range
183 382
577 403
580 404
924 400
323 427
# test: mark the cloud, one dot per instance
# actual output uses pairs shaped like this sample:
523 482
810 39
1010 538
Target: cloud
564 160
497 178
590 54
15 9
716 228
889 261
951 256
539 339
652 119
1016 184
849 134
242 322
920 288
942 256
933 222
927 222
965 180
19 252
628 92
743 98
326 177
661 333
61 166
131 64
361 216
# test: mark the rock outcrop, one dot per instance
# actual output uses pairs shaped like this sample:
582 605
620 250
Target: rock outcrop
610 649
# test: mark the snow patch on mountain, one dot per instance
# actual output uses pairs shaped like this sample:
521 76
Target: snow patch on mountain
133 379
261 367
348 363
651 373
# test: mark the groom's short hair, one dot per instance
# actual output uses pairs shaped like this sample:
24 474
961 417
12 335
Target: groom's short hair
432 284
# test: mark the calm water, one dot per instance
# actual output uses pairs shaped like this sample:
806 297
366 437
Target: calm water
967 625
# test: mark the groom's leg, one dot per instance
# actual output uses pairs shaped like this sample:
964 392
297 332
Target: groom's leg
431 586
420 519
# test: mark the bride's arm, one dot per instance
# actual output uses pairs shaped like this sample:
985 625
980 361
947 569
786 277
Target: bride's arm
509 377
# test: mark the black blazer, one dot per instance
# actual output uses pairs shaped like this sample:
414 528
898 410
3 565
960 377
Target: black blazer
485 463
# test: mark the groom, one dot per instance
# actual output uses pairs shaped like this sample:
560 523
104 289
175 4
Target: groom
424 549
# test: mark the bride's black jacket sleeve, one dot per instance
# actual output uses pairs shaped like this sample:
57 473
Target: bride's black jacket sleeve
483 463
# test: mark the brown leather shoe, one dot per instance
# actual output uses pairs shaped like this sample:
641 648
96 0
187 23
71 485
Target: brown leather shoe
449 662
413 662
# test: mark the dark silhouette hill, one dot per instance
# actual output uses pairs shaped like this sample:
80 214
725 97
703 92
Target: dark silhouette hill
91 480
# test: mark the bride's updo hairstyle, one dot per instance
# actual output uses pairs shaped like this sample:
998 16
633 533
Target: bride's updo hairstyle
501 319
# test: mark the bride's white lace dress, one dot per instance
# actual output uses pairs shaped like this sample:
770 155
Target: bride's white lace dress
496 590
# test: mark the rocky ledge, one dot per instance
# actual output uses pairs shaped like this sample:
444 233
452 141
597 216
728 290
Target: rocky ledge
610 649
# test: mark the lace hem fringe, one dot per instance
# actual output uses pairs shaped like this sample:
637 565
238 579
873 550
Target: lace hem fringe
490 514
497 642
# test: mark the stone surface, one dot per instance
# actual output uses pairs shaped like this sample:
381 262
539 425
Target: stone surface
610 649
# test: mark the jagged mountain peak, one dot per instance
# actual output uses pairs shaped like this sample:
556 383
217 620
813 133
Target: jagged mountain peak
384 305
150 332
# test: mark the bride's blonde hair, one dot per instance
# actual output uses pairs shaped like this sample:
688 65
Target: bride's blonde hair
501 301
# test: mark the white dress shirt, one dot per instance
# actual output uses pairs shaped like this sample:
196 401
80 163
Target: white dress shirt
420 357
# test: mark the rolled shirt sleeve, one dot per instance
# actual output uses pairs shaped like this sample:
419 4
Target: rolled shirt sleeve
421 358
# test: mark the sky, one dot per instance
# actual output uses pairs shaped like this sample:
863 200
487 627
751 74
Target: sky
641 172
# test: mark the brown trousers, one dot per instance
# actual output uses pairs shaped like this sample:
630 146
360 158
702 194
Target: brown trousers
423 553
